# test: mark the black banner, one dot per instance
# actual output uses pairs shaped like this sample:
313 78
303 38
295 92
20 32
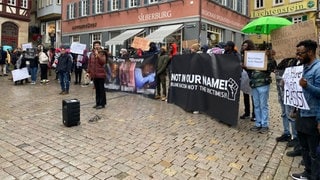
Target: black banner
210 84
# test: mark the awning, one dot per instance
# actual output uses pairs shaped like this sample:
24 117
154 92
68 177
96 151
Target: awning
162 32
123 36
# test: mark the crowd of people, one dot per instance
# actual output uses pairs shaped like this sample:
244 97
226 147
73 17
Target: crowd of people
301 127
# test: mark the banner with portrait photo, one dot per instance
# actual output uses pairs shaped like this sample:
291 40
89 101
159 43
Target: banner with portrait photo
132 74
209 84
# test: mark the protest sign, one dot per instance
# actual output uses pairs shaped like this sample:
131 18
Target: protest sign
19 74
77 48
140 43
26 46
210 84
293 94
188 43
285 39
255 60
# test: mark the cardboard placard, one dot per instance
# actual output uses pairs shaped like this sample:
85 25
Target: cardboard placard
19 74
77 48
140 43
188 43
285 39
255 60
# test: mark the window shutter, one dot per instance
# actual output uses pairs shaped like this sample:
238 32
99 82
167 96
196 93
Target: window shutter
87 7
94 7
304 18
80 8
75 9
109 6
102 6
68 11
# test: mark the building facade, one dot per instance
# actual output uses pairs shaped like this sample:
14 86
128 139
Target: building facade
116 22
14 22
49 22
294 10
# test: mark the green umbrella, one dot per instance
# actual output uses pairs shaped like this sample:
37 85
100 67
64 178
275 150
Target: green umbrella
265 25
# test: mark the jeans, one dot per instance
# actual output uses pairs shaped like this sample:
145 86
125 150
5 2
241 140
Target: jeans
33 72
261 107
285 114
64 79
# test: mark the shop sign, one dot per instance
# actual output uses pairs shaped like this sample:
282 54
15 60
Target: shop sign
84 26
154 16
283 9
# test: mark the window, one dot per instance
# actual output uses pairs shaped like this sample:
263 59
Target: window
58 2
258 4
114 5
224 2
133 3
71 13
153 1
291 1
83 8
49 2
75 38
98 6
96 37
24 3
277 2
12 2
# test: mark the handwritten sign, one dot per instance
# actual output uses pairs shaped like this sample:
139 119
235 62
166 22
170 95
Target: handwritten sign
293 94
255 60
188 43
140 43
77 48
26 46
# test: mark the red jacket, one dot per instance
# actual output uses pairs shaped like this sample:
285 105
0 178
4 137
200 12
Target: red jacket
96 66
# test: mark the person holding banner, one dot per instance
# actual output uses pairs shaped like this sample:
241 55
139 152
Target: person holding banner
308 120
96 70
162 74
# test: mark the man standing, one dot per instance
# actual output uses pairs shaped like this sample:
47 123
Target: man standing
3 57
308 121
97 72
64 68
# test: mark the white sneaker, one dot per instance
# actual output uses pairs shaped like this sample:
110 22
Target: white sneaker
195 112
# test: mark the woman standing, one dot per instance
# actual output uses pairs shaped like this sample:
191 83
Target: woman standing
43 60
97 72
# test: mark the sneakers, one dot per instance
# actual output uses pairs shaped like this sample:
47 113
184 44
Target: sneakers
163 98
300 176
264 130
245 116
253 119
100 107
294 153
261 130
195 112
284 138
157 97
255 129
293 142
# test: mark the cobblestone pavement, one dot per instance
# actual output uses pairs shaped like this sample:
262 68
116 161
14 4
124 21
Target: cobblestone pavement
136 138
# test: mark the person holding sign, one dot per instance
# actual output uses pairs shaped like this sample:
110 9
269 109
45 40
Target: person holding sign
308 120
260 81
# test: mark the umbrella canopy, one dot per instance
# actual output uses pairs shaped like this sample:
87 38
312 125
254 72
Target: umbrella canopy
265 25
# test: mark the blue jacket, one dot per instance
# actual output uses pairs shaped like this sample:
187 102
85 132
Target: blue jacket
312 92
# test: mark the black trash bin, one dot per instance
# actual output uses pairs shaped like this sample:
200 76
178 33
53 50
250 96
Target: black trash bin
71 112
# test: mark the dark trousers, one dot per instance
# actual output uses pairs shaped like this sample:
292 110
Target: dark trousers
309 139
44 71
246 100
101 99
78 75
161 84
